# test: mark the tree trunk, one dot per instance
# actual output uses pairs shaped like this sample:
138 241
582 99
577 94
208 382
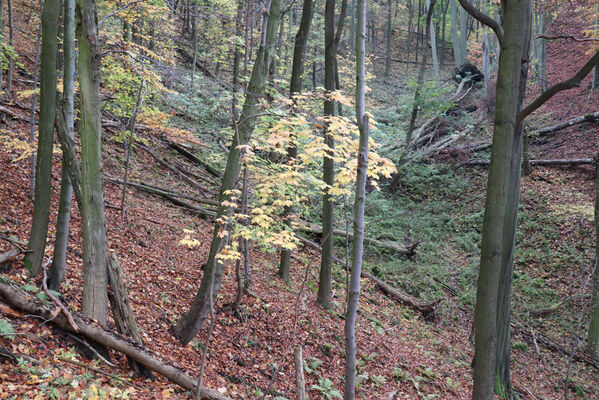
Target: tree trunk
593 336
1 42
192 321
388 32
95 251
328 211
457 49
11 61
500 209
433 38
296 86
354 288
463 35
58 267
43 175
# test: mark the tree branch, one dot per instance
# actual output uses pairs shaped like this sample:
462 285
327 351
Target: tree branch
553 90
484 19
569 37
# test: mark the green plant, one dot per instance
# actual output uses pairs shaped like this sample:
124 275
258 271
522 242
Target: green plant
6 329
325 388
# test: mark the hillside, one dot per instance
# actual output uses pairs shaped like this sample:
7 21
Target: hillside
438 209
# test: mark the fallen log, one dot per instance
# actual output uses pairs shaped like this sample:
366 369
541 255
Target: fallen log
14 115
10 254
427 310
574 161
159 191
19 300
565 124
409 251
179 149
553 345
175 171
551 309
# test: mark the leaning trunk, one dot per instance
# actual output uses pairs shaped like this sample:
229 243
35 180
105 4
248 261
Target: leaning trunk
192 321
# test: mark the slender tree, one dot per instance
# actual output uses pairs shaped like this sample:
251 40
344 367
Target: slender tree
295 86
593 336
354 289
43 175
58 267
95 250
192 321
328 211
388 34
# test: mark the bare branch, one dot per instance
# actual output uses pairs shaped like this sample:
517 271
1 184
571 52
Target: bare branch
484 19
568 37
573 82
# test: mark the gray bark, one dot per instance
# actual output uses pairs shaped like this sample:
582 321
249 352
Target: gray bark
593 335
354 288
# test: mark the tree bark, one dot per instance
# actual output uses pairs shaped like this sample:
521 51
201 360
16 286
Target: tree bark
193 320
43 175
499 219
58 266
593 335
358 243
95 249
328 210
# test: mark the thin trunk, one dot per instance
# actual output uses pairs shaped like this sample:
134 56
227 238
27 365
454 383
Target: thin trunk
328 212
463 34
195 43
410 27
93 220
32 114
58 267
354 288
389 32
352 26
433 39
194 319
11 31
457 56
593 336
295 86
443 28
418 31
1 42
43 175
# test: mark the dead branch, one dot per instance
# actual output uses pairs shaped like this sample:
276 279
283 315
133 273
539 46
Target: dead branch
98 370
300 382
568 37
427 310
55 300
178 148
10 254
546 311
484 19
13 114
573 121
575 161
175 171
386 244
19 300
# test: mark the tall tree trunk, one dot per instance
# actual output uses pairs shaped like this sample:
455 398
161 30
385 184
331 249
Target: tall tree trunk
433 38
388 32
593 336
418 35
352 26
457 49
354 289
11 43
192 321
328 211
93 220
410 27
499 219
295 86
1 42
463 34
58 267
43 175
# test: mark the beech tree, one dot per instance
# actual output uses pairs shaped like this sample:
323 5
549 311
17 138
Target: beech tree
95 250
43 174
593 336
190 323
358 243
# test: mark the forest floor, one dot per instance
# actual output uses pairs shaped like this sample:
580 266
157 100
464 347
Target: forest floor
399 353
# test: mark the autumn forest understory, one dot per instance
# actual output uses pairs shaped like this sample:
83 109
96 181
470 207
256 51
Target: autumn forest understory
237 173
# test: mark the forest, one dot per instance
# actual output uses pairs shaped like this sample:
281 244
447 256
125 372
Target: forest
299 199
